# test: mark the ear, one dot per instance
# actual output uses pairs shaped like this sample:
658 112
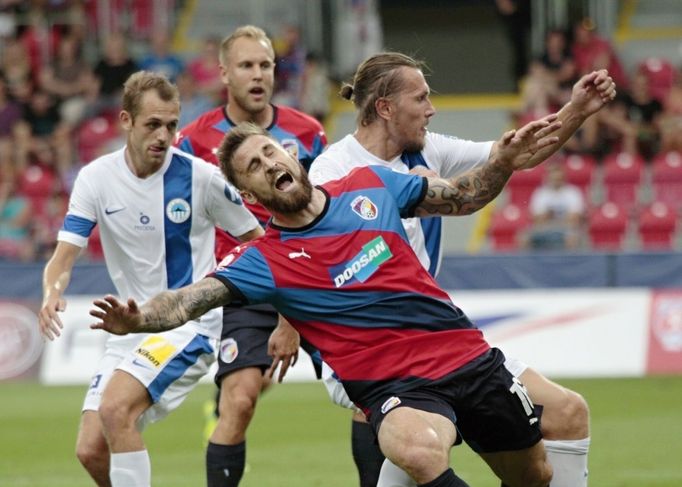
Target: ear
384 108
126 120
248 197
224 75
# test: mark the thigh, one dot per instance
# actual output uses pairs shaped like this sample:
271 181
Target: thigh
167 367
520 467
111 359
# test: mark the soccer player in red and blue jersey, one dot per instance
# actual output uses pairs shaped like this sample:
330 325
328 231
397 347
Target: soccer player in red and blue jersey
337 263
247 62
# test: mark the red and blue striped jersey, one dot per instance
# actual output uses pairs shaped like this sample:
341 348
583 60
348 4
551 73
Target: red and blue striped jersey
353 287
299 133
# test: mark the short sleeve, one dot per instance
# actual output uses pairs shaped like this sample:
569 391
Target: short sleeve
81 216
406 189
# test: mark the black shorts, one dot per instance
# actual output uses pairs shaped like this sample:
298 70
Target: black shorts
244 340
486 403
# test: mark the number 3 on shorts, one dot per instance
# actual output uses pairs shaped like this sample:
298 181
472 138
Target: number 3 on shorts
522 393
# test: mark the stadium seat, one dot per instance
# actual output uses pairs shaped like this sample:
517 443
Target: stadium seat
506 226
579 171
36 182
666 178
622 177
607 226
661 75
93 134
657 223
522 184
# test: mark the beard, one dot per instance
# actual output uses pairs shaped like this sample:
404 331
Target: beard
288 203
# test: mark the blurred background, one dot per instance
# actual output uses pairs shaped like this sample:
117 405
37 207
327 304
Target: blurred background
583 249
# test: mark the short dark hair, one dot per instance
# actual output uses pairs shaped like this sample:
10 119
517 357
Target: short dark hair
377 77
142 81
232 142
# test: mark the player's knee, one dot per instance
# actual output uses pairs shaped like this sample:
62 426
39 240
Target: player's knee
570 421
538 474
238 403
91 457
420 458
114 413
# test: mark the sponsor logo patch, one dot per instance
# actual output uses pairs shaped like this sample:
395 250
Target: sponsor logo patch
389 404
155 350
364 207
178 210
228 350
362 266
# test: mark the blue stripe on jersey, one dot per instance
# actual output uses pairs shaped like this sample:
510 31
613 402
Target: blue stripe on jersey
371 309
177 198
223 126
431 227
186 146
78 225
177 367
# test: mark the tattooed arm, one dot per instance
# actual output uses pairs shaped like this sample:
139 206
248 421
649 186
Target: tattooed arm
164 311
467 193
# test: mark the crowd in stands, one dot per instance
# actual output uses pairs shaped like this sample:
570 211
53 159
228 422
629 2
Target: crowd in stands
59 106
624 164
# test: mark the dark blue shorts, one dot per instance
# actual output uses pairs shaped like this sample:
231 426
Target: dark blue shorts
244 340
487 404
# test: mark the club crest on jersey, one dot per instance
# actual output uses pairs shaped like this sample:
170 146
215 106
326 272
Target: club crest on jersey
389 404
178 210
291 146
364 207
228 350
363 265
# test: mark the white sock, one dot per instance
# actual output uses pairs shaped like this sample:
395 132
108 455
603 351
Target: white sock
393 476
569 461
130 469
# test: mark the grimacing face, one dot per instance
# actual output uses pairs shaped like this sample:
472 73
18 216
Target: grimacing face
152 130
249 74
266 172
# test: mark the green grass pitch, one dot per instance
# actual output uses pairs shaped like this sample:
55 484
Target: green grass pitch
298 438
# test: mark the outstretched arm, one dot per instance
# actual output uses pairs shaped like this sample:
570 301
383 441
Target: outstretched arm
165 311
465 194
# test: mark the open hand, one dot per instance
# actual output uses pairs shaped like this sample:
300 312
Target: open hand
116 317
283 348
517 147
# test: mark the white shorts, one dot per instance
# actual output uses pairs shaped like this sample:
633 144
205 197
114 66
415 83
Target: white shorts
339 397
169 365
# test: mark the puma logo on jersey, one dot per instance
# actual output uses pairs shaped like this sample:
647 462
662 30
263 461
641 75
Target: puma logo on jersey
296 255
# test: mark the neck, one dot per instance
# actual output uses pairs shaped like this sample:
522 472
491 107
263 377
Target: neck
237 115
303 217
140 169
377 141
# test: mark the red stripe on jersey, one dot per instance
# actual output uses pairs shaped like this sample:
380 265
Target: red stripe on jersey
373 354
369 179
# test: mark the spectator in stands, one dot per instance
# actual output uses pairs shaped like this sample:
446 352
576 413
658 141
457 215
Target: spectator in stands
42 114
290 58
592 52
670 124
315 88
558 210
205 70
193 102
15 222
643 112
17 70
71 80
10 111
517 21
160 59
111 71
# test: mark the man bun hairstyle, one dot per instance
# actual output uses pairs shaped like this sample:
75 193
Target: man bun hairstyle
377 77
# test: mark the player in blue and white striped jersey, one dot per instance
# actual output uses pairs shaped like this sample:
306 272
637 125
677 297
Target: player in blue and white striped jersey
156 208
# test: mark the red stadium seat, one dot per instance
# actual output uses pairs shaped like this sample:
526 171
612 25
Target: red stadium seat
666 178
93 134
506 226
607 226
37 182
579 171
522 184
622 176
661 75
657 223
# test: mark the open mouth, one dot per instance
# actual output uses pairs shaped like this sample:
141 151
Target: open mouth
283 181
257 91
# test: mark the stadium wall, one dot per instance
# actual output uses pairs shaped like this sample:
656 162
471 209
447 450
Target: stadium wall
567 315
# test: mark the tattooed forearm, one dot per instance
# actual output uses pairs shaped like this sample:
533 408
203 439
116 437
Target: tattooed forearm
464 194
171 309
